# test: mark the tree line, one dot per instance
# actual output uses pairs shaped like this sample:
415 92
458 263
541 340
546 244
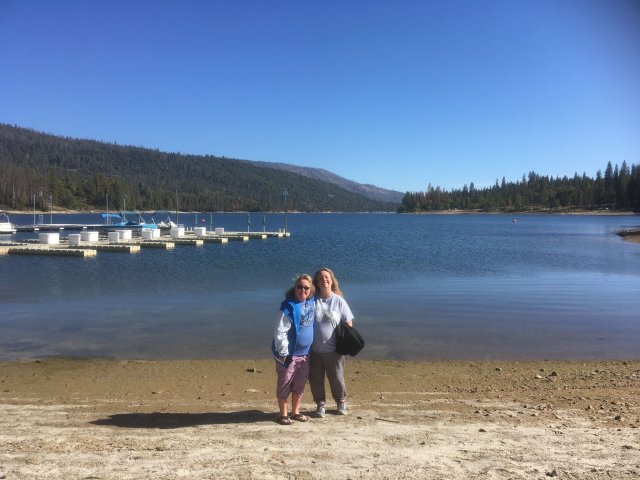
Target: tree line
617 189
44 170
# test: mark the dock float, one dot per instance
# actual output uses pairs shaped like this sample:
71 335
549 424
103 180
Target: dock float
215 239
14 244
188 241
110 247
62 252
237 238
158 244
58 227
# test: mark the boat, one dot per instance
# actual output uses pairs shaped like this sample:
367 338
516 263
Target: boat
168 223
5 224
120 220
165 224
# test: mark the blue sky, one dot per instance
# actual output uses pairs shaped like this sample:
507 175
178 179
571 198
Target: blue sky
397 94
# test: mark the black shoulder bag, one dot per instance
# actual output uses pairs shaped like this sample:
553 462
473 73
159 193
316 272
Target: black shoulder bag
348 340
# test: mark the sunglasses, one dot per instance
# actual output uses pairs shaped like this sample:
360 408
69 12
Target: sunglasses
302 287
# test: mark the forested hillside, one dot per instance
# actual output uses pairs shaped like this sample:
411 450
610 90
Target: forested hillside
618 188
369 191
78 174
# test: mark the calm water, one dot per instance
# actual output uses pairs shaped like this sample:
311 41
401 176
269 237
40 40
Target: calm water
421 287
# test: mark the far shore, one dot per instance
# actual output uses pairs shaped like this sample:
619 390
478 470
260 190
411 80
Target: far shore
431 212
530 212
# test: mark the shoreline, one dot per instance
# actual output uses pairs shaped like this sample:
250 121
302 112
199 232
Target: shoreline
612 213
432 212
134 419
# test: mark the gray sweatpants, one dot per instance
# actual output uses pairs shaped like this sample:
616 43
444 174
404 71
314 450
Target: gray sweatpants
332 365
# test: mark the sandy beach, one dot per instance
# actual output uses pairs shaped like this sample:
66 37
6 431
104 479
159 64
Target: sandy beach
128 419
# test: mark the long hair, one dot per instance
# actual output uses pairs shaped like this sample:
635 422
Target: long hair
291 293
335 286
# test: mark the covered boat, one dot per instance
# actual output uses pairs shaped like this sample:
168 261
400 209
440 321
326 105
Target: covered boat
120 220
5 224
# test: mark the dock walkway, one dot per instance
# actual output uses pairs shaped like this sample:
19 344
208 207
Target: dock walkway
133 245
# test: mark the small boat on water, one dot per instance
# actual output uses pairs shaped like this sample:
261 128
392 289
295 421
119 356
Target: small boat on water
120 220
168 223
5 224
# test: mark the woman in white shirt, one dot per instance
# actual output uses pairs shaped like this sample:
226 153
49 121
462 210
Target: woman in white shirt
331 309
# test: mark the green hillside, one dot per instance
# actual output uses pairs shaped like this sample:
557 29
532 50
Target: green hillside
78 174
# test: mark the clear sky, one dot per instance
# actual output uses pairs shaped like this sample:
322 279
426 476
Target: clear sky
398 93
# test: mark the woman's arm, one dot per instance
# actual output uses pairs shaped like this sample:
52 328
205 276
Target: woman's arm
280 335
345 313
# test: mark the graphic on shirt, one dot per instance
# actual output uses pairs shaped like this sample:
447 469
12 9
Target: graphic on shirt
306 314
327 315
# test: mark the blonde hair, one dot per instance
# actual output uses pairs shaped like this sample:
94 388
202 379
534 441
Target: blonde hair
335 286
291 293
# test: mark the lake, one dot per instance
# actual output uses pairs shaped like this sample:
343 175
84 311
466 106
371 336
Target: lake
420 286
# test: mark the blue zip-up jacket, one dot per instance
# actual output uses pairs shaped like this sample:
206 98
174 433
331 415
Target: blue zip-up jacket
301 316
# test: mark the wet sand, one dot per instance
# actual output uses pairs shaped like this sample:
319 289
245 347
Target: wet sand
119 419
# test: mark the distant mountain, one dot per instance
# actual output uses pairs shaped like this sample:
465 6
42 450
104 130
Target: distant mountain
369 191
78 174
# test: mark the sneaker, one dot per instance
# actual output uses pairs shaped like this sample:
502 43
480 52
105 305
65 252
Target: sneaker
342 408
320 411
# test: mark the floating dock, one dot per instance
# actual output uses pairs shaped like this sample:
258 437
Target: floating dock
57 227
110 247
212 239
198 242
60 252
162 244
82 248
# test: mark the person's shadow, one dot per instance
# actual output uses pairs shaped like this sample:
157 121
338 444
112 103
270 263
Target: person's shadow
182 420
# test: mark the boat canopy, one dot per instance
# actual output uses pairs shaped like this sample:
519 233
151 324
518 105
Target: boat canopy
111 215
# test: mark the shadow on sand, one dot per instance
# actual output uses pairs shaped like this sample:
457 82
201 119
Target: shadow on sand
181 420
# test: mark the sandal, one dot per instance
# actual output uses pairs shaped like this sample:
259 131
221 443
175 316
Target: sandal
284 420
300 417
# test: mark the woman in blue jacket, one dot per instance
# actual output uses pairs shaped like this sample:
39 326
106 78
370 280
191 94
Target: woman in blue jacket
291 344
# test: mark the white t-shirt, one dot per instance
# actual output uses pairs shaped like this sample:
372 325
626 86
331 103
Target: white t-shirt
329 312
